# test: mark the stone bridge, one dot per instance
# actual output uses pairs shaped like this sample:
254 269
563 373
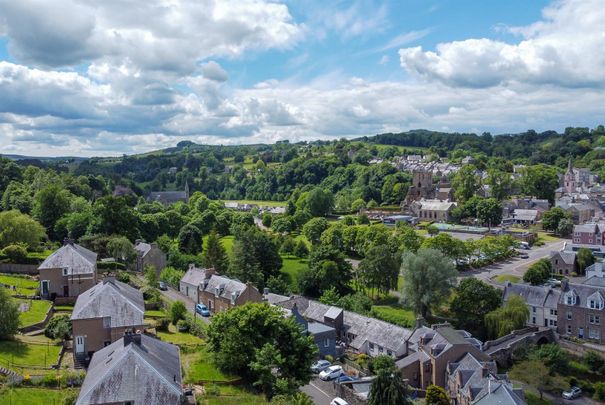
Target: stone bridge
502 348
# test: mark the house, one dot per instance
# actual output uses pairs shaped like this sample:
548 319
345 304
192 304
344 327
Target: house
580 212
68 272
360 333
149 254
525 217
136 369
433 210
589 234
220 293
192 280
170 197
563 262
324 336
472 381
595 270
582 311
103 314
435 349
541 301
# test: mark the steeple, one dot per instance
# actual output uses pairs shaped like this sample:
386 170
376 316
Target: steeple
569 166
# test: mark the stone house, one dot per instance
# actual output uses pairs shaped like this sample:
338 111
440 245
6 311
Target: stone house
170 197
324 336
136 369
103 314
582 311
563 262
541 301
192 280
433 210
68 272
589 234
149 254
220 293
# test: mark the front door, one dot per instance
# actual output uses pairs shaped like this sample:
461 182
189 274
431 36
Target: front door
45 287
79 344
66 291
209 305
581 333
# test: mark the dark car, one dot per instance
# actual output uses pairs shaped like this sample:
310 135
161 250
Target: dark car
202 310
346 378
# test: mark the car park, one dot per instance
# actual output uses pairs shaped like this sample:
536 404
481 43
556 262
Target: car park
202 310
320 365
331 373
572 393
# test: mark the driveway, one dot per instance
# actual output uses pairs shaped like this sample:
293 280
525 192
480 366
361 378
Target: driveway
173 295
515 266
321 392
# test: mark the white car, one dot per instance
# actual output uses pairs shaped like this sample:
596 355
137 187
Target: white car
574 392
339 401
331 373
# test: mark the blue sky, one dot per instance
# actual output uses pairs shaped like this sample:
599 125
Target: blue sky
129 76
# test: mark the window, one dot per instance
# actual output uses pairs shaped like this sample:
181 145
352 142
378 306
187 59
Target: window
390 353
594 319
533 319
65 271
569 315
327 343
107 322
371 346
553 312
533 309
569 329
380 349
596 304
593 333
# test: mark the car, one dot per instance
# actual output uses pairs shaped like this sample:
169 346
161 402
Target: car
320 365
339 401
331 373
202 310
522 255
572 393
524 245
346 378
554 282
162 286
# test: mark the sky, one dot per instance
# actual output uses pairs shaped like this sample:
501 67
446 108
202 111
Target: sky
101 78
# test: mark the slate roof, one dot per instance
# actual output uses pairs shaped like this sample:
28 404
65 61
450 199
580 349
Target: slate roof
596 281
143 248
568 257
111 298
526 215
147 373
536 296
194 276
168 197
225 285
77 259
436 205
365 329
274 299
315 328
582 292
501 393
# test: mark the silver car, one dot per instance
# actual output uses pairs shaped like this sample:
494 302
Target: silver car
572 393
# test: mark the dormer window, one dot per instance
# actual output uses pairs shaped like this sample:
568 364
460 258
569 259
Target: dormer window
65 271
570 298
596 304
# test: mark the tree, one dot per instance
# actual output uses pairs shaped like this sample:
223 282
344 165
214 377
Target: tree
435 395
466 182
258 343
382 363
19 228
266 219
255 257
58 327
121 249
593 360
9 315
538 272
585 258
288 246
330 297
215 255
314 228
452 247
500 183
319 202
50 204
553 356
539 181
511 316
301 250
534 373
298 398
177 312
379 269
473 300
388 388
113 216
190 239
151 275
428 277
565 227
171 275
552 217
358 205
15 253
327 269
489 212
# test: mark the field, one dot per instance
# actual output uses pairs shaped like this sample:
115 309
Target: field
36 313
394 314
30 357
179 338
34 396
503 278
24 286
292 267
199 367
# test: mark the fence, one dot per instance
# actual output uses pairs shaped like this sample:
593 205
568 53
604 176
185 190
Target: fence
31 269
11 364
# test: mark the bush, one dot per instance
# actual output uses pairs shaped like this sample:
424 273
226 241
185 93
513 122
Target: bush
177 312
553 356
593 361
110 266
70 398
161 325
599 391
171 276
196 327
152 295
59 327
183 326
123 277
16 253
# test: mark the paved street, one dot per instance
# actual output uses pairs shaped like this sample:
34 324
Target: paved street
320 391
174 295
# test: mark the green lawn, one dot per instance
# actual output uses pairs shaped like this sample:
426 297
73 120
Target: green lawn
179 338
227 242
394 314
25 286
153 313
292 267
199 367
503 278
36 313
26 357
34 396
546 237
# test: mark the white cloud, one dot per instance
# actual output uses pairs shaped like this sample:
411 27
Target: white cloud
564 49
214 71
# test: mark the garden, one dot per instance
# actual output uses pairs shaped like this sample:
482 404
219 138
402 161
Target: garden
29 355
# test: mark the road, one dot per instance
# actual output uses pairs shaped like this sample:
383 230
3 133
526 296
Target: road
515 266
173 295
321 392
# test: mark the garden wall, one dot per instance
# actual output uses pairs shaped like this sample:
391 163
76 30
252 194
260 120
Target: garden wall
39 325
31 269
580 349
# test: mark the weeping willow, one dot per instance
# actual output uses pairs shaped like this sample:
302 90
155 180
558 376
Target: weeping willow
511 316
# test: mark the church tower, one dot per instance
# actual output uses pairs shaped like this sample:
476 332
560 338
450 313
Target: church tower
569 179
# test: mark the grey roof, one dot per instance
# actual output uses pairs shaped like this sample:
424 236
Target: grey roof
168 197
111 298
568 256
365 329
316 328
500 393
333 312
443 337
147 373
536 296
436 205
77 259
526 215
143 248
226 286
194 276
595 281
586 228
582 292
273 298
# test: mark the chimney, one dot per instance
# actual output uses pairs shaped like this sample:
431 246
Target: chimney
420 322
132 337
68 241
191 266
109 279
137 241
265 291
485 370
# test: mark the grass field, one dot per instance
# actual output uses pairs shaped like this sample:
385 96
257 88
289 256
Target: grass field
227 242
154 313
199 367
179 338
292 267
25 286
503 278
394 314
36 313
34 396
27 357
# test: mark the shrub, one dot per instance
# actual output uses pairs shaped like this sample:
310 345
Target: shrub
196 327
152 296
330 358
381 363
599 391
123 277
161 325
553 357
70 398
59 327
593 361
183 326
177 312
110 266
16 253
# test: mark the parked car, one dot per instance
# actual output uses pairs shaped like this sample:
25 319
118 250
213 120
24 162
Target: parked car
202 310
339 401
163 286
554 282
320 365
331 373
522 255
572 393
345 378
524 245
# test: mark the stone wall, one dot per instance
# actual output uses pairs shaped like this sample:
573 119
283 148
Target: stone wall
31 269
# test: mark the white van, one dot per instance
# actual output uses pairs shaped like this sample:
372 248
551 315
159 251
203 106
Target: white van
339 401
